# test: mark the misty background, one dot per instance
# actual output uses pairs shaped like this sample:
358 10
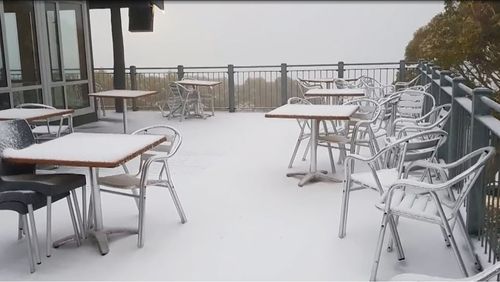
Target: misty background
254 33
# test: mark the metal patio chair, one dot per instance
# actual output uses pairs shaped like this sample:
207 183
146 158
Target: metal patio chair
139 182
437 203
304 86
180 102
435 119
16 134
358 131
407 84
413 103
387 166
43 129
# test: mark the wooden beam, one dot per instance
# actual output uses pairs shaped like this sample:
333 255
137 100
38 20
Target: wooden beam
118 55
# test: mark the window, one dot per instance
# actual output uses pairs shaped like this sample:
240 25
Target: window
21 43
78 96
53 40
58 97
4 101
73 42
27 96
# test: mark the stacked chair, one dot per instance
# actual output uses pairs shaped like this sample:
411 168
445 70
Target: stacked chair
22 190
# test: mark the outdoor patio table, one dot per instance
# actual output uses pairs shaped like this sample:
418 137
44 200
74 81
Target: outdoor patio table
315 113
334 94
33 114
91 150
124 94
201 83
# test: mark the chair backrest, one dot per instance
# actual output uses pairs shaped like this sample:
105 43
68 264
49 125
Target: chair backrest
304 86
414 103
16 134
174 138
478 160
435 119
34 106
368 110
420 146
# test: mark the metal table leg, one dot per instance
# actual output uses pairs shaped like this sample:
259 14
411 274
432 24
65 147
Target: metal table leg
313 174
98 232
124 115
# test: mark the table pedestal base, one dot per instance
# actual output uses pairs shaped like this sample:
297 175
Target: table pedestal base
101 238
312 176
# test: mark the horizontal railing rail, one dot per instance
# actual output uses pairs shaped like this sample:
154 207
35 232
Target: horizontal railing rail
248 87
473 124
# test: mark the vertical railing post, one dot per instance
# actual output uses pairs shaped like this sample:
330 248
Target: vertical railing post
402 70
133 86
455 126
443 82
180 72
340 71
435 86
284 84
230 86
480 138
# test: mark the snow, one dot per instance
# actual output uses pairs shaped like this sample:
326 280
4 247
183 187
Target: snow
85 147
27 114
246 219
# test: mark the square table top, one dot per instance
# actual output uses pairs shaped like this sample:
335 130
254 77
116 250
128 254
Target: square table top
352 92
194 82
122 93
101 150
319 112
32 114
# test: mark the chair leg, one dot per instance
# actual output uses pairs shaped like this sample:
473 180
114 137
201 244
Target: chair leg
73 221
142 209
451 238
344 208
470 247
78 214
29 242
175 198
84 211
395 236
446 241
20 230
135 192
378 250
297 145
34 234
307 149
48 240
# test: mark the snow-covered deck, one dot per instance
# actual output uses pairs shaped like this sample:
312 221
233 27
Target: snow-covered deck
246 219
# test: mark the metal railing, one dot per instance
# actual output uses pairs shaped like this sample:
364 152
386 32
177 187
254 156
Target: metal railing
248 88
472 125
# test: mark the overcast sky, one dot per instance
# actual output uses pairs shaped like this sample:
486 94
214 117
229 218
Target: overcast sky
255 33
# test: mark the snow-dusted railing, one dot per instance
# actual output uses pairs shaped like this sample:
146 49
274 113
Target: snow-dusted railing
249 87
473 124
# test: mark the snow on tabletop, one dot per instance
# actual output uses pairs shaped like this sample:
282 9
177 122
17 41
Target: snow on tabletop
123 93
27 113
85 147
198 82
336 92
313 111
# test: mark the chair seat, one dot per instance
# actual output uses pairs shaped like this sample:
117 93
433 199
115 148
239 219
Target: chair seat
422 277
51 129
411 204
123 181
19 200
47 184
334 138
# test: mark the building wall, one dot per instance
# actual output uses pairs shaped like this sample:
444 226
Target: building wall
45 55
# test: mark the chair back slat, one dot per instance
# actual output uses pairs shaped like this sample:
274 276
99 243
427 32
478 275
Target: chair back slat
16 134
